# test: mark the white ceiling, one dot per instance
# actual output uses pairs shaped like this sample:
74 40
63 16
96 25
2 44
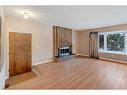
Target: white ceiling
75 17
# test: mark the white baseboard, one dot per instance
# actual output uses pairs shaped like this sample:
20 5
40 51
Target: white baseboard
113 60
82 55
35 72
103 58
43 62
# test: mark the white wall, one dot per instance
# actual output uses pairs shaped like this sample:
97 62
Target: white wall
74 43
3 52
42 43
42 38
83 42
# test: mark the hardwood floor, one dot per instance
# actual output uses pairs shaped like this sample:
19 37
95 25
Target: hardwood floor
20 78
78 73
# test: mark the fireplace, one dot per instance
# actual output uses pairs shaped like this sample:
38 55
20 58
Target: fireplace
64 51
62 43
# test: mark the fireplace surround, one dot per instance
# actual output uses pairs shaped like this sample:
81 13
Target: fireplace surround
62 42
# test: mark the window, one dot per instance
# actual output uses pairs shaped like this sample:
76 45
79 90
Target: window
113 42
101 42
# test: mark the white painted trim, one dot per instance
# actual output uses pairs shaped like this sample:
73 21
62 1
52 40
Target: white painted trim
113 32
104 58
43 62
36 64
82 55
113 60
35 72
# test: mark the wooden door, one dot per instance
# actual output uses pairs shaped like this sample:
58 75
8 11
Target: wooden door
19 53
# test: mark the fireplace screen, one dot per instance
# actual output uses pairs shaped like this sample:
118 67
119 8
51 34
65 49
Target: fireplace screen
63 51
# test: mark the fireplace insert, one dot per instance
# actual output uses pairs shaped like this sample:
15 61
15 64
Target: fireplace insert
64 51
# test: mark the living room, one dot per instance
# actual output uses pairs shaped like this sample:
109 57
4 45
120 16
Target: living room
63 47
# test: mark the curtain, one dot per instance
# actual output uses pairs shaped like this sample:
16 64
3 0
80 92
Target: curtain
93 45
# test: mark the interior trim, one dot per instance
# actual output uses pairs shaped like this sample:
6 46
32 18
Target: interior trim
43 62
118 61
82 55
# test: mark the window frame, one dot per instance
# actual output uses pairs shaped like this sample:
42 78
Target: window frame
105 42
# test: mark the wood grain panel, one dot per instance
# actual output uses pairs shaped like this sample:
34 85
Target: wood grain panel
19 53
61 37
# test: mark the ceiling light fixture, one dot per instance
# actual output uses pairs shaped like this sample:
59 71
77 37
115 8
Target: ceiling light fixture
26 15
